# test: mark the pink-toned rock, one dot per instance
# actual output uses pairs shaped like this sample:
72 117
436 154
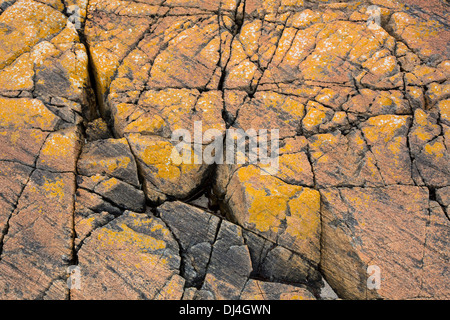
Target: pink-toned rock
356 235
133 257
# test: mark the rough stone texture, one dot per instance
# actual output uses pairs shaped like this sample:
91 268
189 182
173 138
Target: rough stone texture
110 157
92 95
260 290
355 221
44 98
133 257
196 232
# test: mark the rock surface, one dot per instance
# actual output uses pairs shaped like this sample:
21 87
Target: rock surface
97 201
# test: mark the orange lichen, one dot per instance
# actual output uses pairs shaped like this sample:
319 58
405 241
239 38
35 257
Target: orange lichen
26 113
128 236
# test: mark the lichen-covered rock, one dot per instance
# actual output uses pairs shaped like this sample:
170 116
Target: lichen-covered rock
286 214
95 97
343 160
355 220
38 243
110 157
45 95
107 184
133 257
429 149
220 258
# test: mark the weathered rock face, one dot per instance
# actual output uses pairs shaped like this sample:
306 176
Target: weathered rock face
134 257
96 201
45 96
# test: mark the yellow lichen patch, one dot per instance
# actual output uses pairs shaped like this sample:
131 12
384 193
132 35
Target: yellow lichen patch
267 199
288 4
179 101
438 91
105 66
128 236
266 212
26 113
112 164
76 63
208 110
65 39
436 149
334 44
42 51
249 37
109 184
125 113
304 219
395 146
292 145
339 118
166 168
422 134
415 93
287 104
444 110
53 189
86 224
28 22
304 19
61 144
294 296
241 75
158 154
138 9
382 67
19 75
136 63
106 53
97 178
425 75
424 129
418 34
384 127
314 117
154 225
160 157
173 290
421 118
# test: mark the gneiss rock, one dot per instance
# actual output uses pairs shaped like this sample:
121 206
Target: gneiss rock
44 90
133 257
408 250
260 290
230 265
288 215
38 243
196 232
357 201
219 258
107 185
111 157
